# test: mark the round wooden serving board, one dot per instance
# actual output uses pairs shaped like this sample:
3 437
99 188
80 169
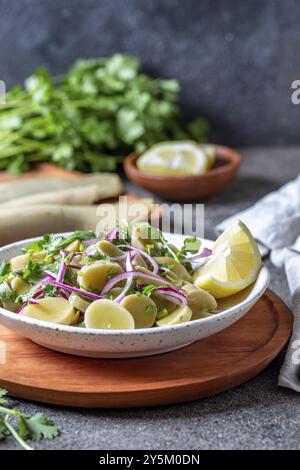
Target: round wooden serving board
206 367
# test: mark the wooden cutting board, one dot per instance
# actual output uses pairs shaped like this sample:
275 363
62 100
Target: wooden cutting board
204 368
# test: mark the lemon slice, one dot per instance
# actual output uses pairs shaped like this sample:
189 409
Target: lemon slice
234 265
181 158
210 153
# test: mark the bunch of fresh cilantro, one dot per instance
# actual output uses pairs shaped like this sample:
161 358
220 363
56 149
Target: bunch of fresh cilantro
14 423
90 118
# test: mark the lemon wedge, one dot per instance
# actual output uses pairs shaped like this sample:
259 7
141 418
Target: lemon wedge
181 158
234 265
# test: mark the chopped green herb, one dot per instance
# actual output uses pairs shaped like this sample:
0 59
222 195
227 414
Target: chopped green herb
162 313
149 289
8 296
149 249
5 270
3 394
35 427
151 309
33 271
49 290
34 246
190 245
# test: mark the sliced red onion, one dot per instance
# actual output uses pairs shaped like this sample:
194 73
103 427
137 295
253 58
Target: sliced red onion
50 275
32 300
164 269
129 281
204 253
64 294
173 295
91 250
128 263
19 310
66 287
90 241
145 255
120 277
112 235
37 294
73 266
63 266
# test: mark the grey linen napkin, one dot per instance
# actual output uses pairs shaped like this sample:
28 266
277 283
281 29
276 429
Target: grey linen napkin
275 223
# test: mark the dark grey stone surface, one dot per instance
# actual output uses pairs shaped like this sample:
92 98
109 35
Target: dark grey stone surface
236 60
256 415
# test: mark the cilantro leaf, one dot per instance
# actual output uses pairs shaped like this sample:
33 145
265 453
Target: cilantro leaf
4 270
34 246
53 243
3 394
37 427
4 432
149 289
151 309
33 271
191 245
8 296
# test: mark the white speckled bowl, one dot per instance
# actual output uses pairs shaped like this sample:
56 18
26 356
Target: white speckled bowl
125 343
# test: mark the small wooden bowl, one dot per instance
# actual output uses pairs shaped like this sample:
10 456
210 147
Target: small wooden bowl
184 188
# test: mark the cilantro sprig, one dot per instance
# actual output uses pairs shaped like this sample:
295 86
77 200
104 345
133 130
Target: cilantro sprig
52 243
22 427
91 117
4 270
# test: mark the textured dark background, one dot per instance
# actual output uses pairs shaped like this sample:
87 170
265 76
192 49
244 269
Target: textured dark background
236 59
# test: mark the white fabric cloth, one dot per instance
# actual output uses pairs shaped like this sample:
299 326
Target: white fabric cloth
275 223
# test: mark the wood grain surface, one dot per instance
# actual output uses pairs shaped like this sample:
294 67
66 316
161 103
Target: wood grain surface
206 367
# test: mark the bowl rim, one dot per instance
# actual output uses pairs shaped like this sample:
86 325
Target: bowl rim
259 287
231 160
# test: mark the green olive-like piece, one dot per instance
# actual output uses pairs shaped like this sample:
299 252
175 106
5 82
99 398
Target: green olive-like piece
200 301
180 315
177 268
109 249
96 275
142 308
114 292
78 303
